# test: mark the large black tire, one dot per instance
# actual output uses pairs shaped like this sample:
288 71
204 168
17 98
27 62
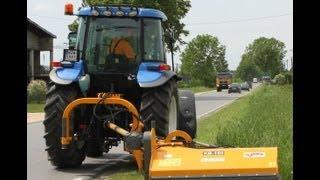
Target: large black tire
155 105
187 113
57 98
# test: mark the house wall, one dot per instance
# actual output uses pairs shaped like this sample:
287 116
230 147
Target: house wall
35 44
32 40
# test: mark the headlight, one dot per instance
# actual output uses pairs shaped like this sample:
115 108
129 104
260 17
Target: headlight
132 13
107 13
94 13
119 13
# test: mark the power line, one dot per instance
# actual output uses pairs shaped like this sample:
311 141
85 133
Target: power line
242 20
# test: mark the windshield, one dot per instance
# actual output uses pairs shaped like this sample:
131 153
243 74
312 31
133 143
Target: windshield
72 39
112 44
117 45
224 75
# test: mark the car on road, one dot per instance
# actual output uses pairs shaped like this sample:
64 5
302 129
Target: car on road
250 84
266 79
245 86
234 87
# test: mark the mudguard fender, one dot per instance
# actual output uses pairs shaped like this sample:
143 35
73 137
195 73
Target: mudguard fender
68 75
151 78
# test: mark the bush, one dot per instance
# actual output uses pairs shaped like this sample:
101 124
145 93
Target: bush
289 77
280 79
237 80
37 90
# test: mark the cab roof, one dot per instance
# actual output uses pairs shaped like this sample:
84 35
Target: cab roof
141 12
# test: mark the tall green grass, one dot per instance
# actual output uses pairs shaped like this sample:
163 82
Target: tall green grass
263 118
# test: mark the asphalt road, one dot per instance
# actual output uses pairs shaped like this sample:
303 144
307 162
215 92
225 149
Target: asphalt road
39 168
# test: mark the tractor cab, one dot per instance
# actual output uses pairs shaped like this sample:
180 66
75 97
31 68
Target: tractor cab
116 48
116 39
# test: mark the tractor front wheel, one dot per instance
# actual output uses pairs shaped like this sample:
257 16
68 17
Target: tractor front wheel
58 97
161 105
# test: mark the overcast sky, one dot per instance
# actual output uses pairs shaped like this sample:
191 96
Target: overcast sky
236 23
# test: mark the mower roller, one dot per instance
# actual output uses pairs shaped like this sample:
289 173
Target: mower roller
177 156
114 85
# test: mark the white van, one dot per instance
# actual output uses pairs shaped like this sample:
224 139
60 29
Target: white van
255 80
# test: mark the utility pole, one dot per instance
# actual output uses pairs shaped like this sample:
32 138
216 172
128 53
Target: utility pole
171 48
172 63
291 59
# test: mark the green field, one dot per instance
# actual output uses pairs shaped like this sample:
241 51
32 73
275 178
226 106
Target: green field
263 118
35 108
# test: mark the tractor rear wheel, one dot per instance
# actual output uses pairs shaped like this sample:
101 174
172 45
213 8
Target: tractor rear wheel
161 105
58 97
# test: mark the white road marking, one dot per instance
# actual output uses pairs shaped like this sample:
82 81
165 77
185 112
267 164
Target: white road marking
83 178
215 109
199 93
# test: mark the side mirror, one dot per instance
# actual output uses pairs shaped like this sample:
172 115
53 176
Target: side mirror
72 37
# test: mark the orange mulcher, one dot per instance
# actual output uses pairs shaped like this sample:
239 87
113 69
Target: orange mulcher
178 156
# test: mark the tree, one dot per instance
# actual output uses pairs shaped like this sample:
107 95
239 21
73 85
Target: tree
267 55
220 63
202 58
74 26
247 69
175 10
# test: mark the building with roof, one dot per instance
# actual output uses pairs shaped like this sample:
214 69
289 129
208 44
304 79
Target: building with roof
38 40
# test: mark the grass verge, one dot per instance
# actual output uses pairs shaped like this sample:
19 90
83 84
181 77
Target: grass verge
35 108
263 118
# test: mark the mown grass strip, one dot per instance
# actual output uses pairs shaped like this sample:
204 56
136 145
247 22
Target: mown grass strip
35 108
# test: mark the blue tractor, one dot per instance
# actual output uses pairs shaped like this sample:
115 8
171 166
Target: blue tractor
92 66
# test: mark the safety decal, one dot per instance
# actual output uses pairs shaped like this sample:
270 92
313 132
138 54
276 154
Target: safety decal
215 152
254 154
